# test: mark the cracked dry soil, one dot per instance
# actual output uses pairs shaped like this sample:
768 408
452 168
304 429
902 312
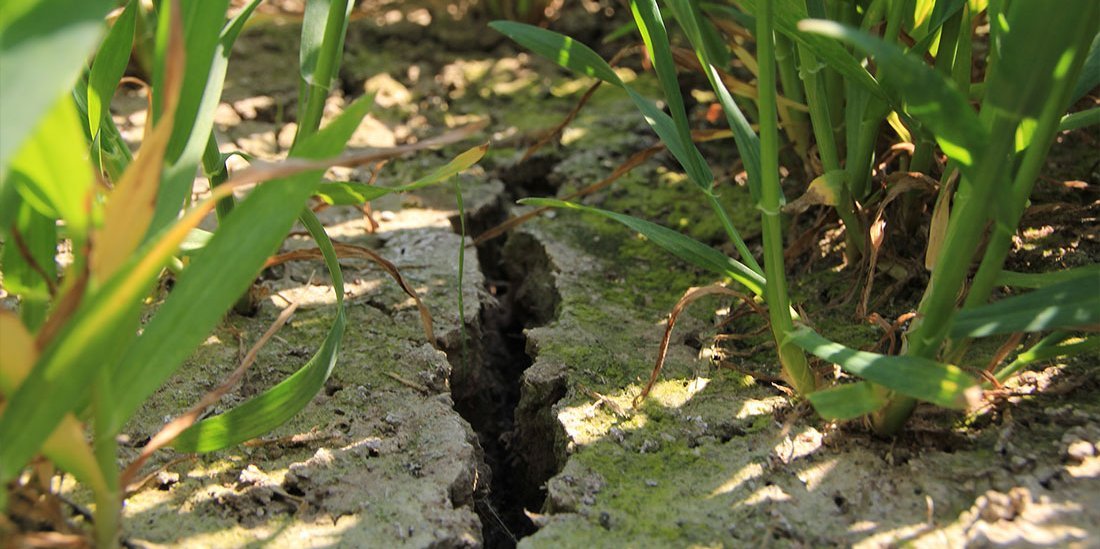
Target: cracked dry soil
517 426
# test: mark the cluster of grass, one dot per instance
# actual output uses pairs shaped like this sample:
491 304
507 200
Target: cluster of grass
842 76
74 359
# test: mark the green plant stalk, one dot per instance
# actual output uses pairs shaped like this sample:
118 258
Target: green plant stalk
1007 216
964 233
964 52
820 119
863 130
1045 349
835 85
798 130
313 96
795 366
868 113
731 231
217 172
817 101
895 15
108 508
946 57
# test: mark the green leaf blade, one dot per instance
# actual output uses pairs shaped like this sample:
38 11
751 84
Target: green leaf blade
109 65
42 51
681 246
275 406
847 401
1068 304
917 89
223 270
559 48
941 384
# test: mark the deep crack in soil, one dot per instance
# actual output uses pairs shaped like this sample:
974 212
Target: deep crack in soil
487 381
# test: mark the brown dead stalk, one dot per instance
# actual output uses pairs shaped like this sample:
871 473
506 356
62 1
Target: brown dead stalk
691 295
359 252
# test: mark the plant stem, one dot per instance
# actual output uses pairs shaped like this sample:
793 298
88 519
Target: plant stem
816 99
1012 205
964 232
313 95
795 366
217 172
731 231
108 500
798 127
946 57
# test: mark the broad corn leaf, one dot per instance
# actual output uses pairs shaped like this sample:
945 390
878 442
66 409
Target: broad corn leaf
51 171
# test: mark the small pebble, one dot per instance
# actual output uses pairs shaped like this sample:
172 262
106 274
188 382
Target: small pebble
165 479
1080 450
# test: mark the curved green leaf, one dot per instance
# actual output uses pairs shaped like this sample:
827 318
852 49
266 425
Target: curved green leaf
42 51
581 59
223 270
1039 280
1068 304
847 401
748 143
109 65
681 246
349 193
920 378
278 404
652 28
559 48
918 90
1054 345
1090 74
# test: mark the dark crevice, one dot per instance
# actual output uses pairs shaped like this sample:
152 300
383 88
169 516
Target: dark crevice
487 384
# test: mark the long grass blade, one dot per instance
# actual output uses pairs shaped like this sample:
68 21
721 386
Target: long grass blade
109 65
348 193
278 404
920 378
222 271
42 51
677 244
1070 304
